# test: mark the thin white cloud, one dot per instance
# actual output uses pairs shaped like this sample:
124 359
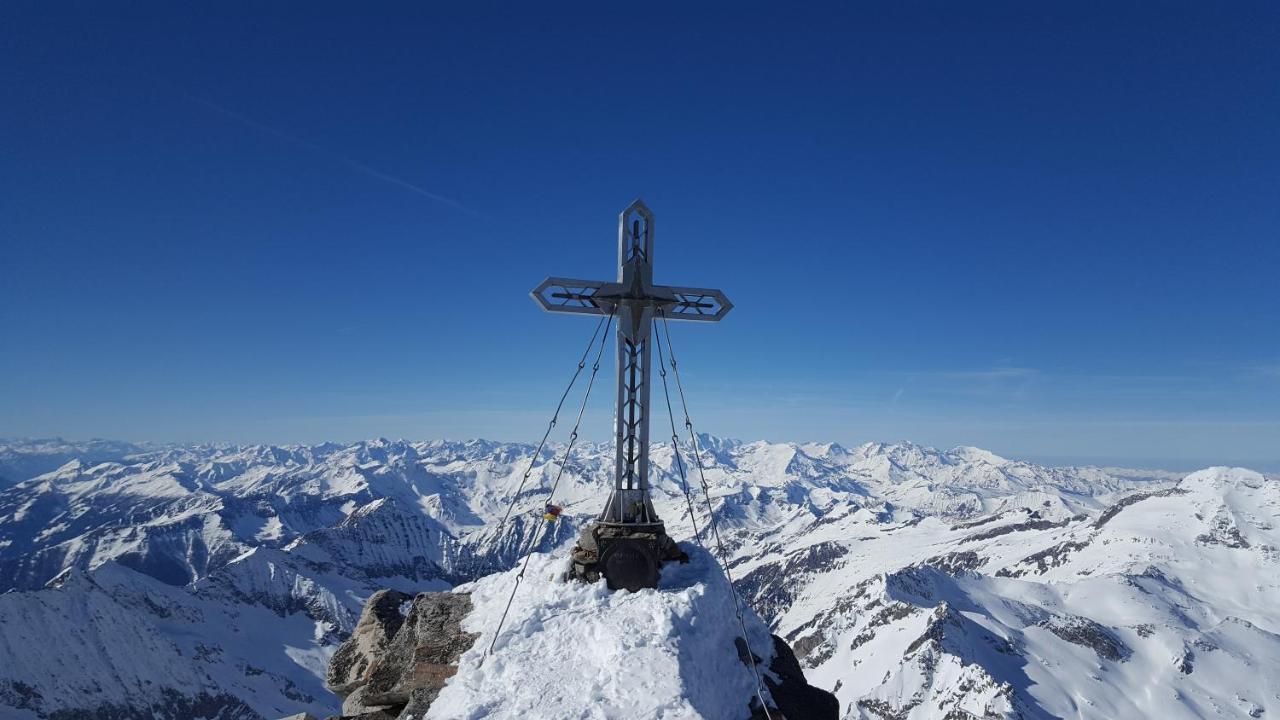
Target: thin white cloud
349 162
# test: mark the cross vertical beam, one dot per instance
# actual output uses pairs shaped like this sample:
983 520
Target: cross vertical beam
630 501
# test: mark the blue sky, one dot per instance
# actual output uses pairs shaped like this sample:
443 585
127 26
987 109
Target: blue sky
1045 229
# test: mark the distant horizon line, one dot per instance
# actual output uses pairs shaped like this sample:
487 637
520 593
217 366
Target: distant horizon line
1043 460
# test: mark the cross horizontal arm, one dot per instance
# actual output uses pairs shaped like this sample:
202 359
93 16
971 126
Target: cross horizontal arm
597 297
570 295
702 304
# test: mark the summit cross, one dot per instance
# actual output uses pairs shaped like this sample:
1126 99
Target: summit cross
635 303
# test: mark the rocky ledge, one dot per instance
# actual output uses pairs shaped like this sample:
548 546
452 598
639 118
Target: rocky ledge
395 662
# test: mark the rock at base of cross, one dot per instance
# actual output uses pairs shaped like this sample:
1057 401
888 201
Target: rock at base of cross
627 556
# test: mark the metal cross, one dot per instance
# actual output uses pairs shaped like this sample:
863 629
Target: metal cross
634 301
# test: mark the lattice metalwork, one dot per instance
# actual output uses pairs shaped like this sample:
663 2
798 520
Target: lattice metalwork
569 295
632 413
635 234
698 304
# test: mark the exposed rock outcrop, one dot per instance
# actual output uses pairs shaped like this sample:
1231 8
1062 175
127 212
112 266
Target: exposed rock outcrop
395 664
379 622
793 697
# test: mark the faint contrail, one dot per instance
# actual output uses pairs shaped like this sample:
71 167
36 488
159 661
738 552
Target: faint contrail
353 164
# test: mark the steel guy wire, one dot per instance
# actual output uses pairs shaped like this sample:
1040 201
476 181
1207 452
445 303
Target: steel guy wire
675 438
715 527
573 437
582 363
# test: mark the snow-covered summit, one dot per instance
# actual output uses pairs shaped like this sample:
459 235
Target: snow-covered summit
571 650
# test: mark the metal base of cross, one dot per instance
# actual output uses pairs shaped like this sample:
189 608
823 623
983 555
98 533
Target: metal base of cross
628 556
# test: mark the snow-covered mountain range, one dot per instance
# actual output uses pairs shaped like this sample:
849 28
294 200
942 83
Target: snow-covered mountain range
216 581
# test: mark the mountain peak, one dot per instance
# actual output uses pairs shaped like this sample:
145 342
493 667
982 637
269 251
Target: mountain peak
572 650
973 454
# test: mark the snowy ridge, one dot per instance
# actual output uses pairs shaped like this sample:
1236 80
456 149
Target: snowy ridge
1023 617
912 582
178 513
22 459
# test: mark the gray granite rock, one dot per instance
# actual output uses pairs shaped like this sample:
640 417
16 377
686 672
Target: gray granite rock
379 622
355 703
424 653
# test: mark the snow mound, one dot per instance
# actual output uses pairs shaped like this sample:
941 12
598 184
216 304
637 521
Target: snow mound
571 650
